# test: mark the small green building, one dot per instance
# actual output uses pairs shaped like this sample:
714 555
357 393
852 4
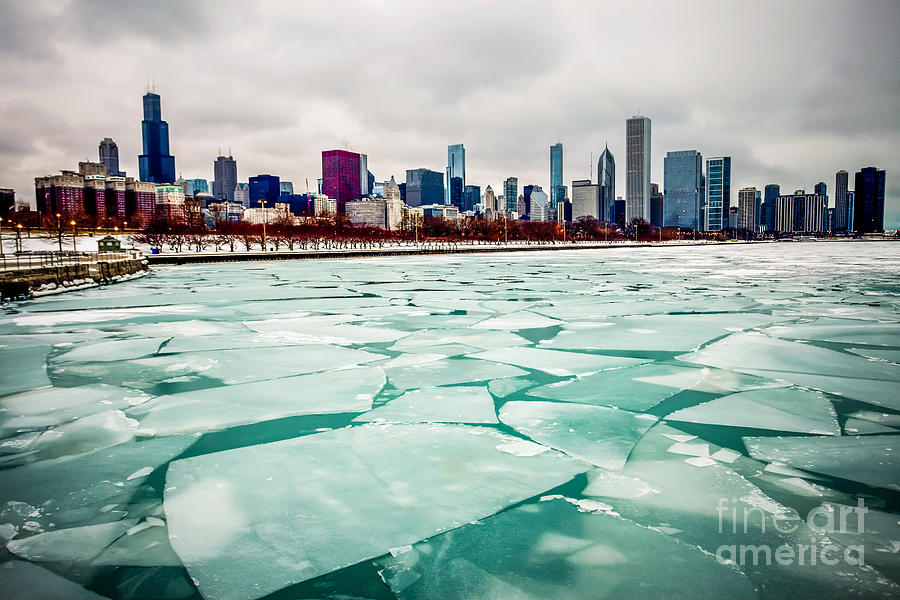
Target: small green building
109 244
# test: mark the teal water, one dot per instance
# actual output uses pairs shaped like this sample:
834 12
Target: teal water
568 424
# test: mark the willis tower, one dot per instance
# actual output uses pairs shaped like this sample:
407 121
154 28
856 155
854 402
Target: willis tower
156 164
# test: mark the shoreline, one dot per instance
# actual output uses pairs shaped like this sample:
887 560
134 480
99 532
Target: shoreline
451 248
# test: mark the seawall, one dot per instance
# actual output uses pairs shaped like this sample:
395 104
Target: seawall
26 282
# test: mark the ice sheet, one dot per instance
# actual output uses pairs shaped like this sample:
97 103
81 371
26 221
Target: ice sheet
250 521
22 580
23 369
780 409
345 390
458 404
556 362
600 435
448 372
872 460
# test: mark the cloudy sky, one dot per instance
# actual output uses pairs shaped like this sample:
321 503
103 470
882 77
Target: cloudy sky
792 90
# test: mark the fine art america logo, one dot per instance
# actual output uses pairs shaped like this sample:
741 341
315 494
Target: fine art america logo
821 525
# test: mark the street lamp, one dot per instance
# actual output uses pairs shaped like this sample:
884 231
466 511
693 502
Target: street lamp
59 232
262 203
72 223
1 236
19 237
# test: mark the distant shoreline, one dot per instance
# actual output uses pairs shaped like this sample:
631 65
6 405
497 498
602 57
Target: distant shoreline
448 248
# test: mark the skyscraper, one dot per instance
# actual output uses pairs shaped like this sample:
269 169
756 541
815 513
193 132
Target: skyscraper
637 165
225 169
585 199
747 208
606 181
264 188
868 203
683 189
511 194
821 189
841 206
656 206
537 203
109 155
156 164
718 192
557 189
772 191
801 213
424 187
341 176
456 174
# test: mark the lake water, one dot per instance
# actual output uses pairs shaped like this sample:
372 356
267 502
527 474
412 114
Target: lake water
690 422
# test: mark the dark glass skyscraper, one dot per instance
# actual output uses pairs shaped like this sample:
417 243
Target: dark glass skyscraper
472 197
109 156
868 204
424 187
456 170
683 189
511 194
772 191
606 180
342 176
156 164
718 193
557 189
225 169
265 188
841 204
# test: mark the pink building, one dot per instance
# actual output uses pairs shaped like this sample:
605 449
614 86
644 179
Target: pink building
341 176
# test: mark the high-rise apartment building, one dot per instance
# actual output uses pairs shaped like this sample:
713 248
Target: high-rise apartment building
868 203
156 164
841 206
718 193
606 181
801 213
225 170
341 176
637 165
683 189
109 155
747 208
456 174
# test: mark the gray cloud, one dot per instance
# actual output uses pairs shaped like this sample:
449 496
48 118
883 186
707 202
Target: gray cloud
793 91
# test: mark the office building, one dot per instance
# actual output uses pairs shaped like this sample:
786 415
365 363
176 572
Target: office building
557 189
170 203
606 181
683 189
536 203
511 194
585 199
747 199
656 206
821 189
424 186
637 165
242 195
225 170
718 193
491 203
264 189
7 201
456 174
109 156
342 176
197 186
841 205
366 179
471 197
772 191
619 214
156 164
868 202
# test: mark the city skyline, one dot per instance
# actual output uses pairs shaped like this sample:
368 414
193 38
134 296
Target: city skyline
792 139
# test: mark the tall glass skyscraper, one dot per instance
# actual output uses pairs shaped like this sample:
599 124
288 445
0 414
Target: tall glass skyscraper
772 191
868 204
606 180
265 188
511 194
718 193
225 169
557 189
109 156
456 169
156 164
637 165
841 205
683 189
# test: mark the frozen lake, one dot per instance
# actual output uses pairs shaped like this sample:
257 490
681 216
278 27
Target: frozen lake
616 423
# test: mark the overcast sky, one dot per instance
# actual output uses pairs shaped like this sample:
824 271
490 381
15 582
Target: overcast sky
792 90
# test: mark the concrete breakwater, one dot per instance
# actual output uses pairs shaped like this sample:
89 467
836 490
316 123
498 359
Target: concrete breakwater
28 281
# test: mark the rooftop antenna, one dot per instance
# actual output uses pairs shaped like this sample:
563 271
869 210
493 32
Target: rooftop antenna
220 151
591 165
229 150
